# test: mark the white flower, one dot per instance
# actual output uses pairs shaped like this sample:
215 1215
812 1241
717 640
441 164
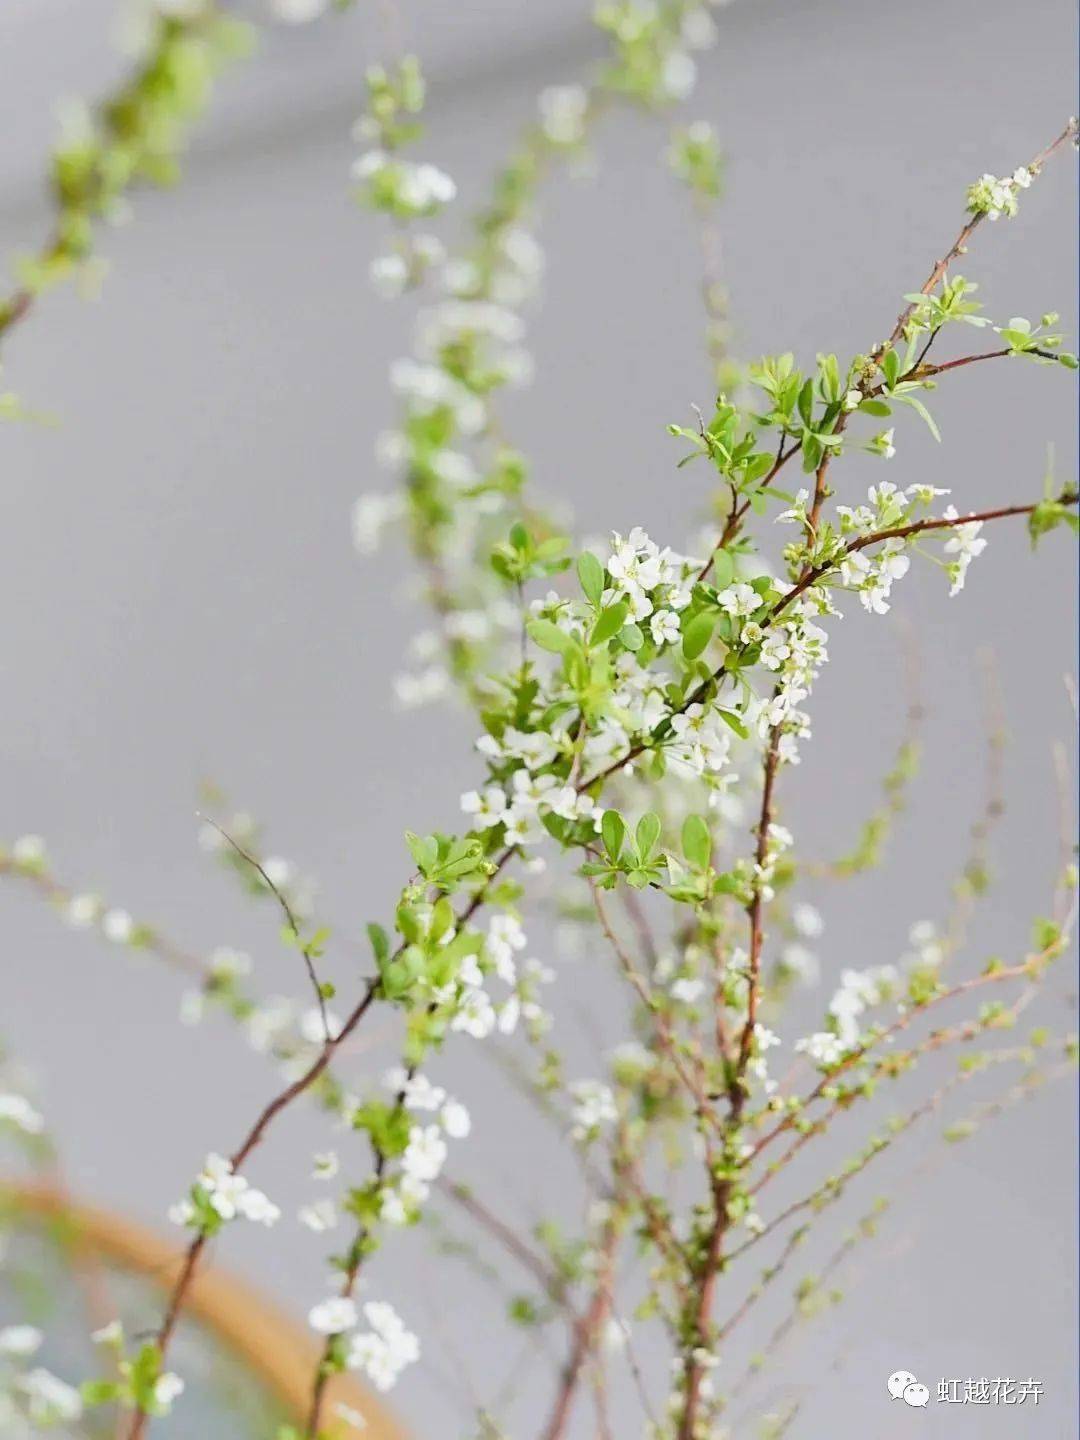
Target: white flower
384 1351
298 12
594 1107
82 911
509 1014
389 275
774 652
456 1120
699 32
853 399
111 1334
325 1165
475 1014
229 1196
413 691
18 1110
563 109
20 1340
854 568
333 1316
965 543
678 75
317 1028
279 872
764 1038
48 1399
319 1216
416 1091
167 1388
29 850
118 926
925 494
739 599
807 920
255 1206
664 625
823 1048
504 937
370 515
425 1153
686 991
182 1213
874 598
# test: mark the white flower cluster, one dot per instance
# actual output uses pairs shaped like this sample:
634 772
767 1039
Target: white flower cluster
227 1194
35 1395
993 198
873 575
858 991
594 1109
757 1067
795 650
529 796
429 389
965 543
412 189
425 1153
927 946
492 334
382 1351
564 113
477 1014
16 1110
778 839
650 579
797 961
371 514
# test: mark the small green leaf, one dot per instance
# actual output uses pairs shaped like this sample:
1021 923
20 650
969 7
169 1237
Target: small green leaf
647 834
548 636
723 569
610 623
696 842
697 634
735 722
613 832
591 574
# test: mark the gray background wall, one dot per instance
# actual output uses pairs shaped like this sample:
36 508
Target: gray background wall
178 597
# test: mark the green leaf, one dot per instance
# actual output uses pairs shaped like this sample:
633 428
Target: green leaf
697 634
647 834
613 832
548 636
723 568
696 842
632 636
735 722
609 623
591 574
424 850
917 405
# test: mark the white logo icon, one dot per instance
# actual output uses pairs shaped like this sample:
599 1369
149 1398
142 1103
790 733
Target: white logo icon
904 1386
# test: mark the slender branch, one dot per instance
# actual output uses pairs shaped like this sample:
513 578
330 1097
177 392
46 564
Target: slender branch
551 1283
291 922
586 1334
959 245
